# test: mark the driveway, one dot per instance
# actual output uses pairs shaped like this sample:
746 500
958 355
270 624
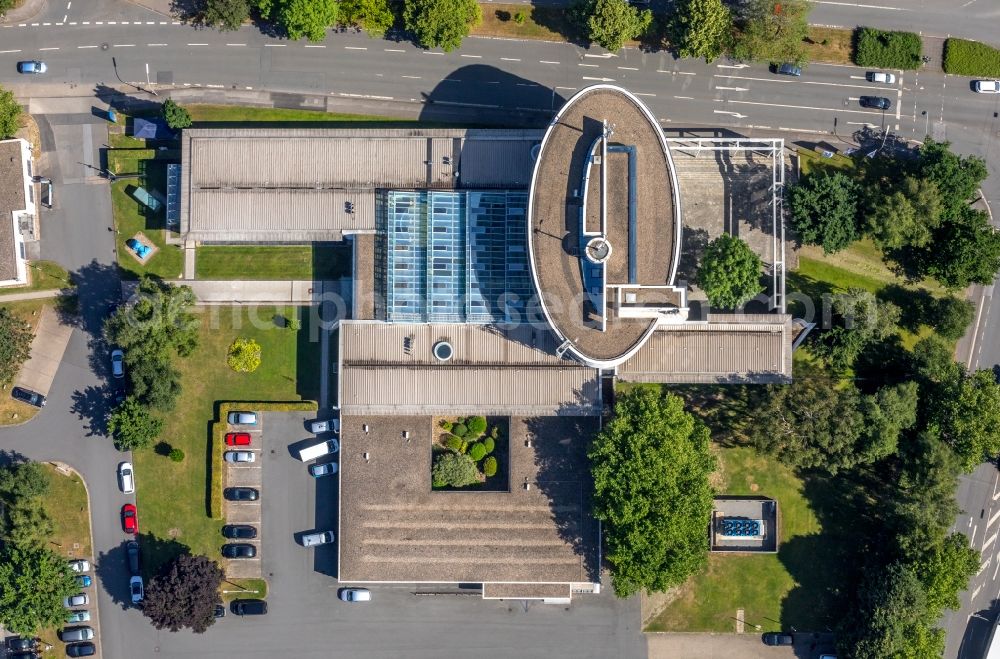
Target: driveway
47 348
726 646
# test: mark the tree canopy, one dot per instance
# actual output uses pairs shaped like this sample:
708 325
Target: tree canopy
184 594
225 14
133 426
704 28
23 519
956 177
33 582
650 465
453 469
966 250
860 319
307 18
824 210
729 272
772 31
441 23
968 413
610 23
15 344
175 115
10 113
374 16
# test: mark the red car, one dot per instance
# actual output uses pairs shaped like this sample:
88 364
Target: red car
129 520
237 439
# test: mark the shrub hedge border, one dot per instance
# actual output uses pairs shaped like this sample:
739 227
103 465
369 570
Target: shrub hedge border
887 49
971 58
218 432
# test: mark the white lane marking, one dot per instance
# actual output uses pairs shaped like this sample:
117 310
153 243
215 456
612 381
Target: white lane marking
430 52
628 68
731 66
355 47
992 519
685 98
599 79
271 45
197 44
154 45
65 18
989 541
526 84
86 22
216 86
601 56
411 77
46 23
111 23
734 89
861 123
805 82
984 565
995 570
976 592
735 114
10 51
49 48
72 22
996 481
542 61
124 45
83 47
69 4
641 94
509 59
805 107
592 66
150 22
314 46
239 44
394 50
472 56
572 89
859 5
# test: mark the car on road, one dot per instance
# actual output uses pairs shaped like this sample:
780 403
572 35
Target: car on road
83 580
354 595
241 494
323 469
27 396
76 634
249 607
135 587
79 565
20 644
877 102
987 87
78 616
878 76
318 538
73 601
777 638
81 650
240 456
117 363
220 611
242 418
317 426
126 478
239 550
132 550
237 439
31 66
130 522
239 531
789 69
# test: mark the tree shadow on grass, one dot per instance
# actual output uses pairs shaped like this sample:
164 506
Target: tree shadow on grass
918 306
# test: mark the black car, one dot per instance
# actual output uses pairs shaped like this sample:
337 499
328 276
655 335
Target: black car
239 550
777 638
239 531
132 549
23 655
220 611
789 69
249 607
80 650
19 644
877 102
27 396
241 494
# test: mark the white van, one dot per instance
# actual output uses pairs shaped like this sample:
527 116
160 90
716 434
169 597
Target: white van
318 538
318 450
125 478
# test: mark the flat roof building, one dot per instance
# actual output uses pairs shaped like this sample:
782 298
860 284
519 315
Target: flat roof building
17 204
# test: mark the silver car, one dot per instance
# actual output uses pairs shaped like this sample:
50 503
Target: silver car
73 601
320 538
76 634
240 456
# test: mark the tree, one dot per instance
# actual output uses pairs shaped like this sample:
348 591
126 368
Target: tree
133 426
225 14
610 23
729 272
184 594
24 520
156 383
824 210
887 414
650 466
908 216
24 480
946 571
704 28
772 31
953 316
307 18
956 178
15 344
6 5
10 112
934 363
966 250
244 355
374 16
863 319
454 470
441 23
175 115
33 582
968 413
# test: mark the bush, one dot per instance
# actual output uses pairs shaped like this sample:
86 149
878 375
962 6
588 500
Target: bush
454 443
495 433
971 58
454 469
489 445
244 355
476 425
175 116
459 430
445 424
176 455
293 324
886 49
490 467
477 451
520 17
953 317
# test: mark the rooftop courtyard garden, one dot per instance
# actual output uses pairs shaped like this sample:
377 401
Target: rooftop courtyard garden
470 453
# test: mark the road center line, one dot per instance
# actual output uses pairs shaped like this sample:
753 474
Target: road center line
355 47
314 46
472 56
430 52
393 50
806 107
10 51
858 5
154 45
271 45
542 61
197 44
592 66
241 44
411 77
124 45
48 48
509 59
805 82
83 47
628 68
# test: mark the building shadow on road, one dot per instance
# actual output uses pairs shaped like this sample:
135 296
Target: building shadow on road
977 632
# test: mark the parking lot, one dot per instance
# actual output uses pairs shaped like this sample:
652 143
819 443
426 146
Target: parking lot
246 474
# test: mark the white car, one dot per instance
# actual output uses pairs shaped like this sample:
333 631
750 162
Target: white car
878 76
355 595
79 565
117 363
240 456
73 601
126 479
987 87
135 585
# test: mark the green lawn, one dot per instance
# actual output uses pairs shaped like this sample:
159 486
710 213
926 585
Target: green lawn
173 497
811 161
46 275
203 115
776 591
243 589
319 261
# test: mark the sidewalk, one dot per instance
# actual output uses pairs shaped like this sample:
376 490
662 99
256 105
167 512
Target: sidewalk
35 295
28 10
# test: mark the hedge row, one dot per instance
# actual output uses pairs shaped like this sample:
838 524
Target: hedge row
971 58
218 440
882 49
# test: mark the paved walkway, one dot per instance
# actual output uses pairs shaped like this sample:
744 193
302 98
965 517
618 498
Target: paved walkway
25 12
33 295
270 292
726 646
47 350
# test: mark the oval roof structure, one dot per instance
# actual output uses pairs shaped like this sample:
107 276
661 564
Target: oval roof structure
604 218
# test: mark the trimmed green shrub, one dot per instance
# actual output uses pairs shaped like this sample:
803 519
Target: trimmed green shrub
454 443
177 455
476 425
459 430
495 433
477 451
446 424
971 58
886 49
489 445
460 419
490 466
454 469
520 17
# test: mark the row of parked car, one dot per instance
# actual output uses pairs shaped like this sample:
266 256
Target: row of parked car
79 637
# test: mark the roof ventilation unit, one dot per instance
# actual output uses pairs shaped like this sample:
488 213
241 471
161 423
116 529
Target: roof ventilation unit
443 351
